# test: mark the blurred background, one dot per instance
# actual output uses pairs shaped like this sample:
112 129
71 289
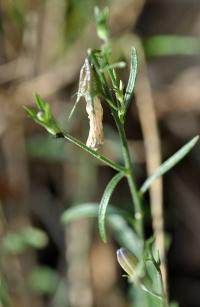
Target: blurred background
44 262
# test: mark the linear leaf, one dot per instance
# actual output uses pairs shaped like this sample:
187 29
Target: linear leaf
124 234
39 102
114 65
88 210
132 78
104 203
117 219
170 163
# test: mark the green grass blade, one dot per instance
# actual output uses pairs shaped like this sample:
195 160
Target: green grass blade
170 163
104 203
132 78
95 154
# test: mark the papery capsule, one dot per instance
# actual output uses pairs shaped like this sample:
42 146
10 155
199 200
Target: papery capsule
90 90
96 136
127 261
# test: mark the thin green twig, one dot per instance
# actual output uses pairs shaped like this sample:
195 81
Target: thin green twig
95 154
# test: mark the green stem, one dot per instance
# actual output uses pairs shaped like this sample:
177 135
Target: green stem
95 154
125 150
165 300
131 179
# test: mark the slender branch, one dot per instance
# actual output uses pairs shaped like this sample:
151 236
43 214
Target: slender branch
95 154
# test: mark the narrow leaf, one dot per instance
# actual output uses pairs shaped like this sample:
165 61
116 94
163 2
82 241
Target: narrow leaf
114 65
104 203
117 219
124 234
39 102
170 163
132 78
88 210
32 113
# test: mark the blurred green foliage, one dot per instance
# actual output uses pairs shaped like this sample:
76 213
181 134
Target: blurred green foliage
43 280
170 45
19 241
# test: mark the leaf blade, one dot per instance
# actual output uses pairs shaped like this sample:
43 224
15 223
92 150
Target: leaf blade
39 102
118 220
132 78
88 210
104 203
169 163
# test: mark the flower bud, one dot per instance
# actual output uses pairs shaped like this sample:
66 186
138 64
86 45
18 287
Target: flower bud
127 261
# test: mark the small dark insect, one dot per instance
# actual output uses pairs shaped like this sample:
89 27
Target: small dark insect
59 135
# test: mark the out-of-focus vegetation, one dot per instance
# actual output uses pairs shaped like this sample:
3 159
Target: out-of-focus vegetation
43 44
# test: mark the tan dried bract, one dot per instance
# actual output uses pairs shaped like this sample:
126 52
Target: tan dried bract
95 137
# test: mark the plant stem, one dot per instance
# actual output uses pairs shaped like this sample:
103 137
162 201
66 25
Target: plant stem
164 295
165 300
95 154
125 150
131 179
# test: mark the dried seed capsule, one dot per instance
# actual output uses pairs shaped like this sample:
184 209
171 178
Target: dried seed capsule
95 137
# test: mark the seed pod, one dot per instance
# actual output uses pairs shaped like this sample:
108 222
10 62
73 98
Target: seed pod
127 261
95 137
89 89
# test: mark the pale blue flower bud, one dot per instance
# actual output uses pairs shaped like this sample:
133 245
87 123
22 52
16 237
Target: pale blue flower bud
127 261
